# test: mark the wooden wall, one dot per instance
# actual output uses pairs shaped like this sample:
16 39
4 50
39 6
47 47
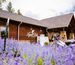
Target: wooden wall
23 30
2 22
13 29
26 28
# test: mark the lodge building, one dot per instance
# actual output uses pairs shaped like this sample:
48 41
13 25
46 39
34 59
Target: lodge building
25 28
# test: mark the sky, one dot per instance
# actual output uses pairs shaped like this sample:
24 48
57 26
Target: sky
41 9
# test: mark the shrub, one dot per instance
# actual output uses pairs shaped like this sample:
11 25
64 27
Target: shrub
52 61
46 43
39 61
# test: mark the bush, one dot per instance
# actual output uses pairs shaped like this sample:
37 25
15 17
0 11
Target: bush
39 61
46 43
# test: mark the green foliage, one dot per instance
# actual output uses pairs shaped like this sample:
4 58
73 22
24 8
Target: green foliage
39 61
46 43
9 8
29 61
19 13
52 61
13 51
24 56
4 34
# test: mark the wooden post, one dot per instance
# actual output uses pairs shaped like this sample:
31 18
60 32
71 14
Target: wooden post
6 35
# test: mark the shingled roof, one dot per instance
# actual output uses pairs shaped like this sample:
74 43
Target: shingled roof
20 18
58 21
54 22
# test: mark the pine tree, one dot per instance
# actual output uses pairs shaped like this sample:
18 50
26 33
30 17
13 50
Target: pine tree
19 13
9 8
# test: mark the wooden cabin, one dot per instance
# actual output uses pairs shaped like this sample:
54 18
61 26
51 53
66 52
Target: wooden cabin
21 27
24 28
64 25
